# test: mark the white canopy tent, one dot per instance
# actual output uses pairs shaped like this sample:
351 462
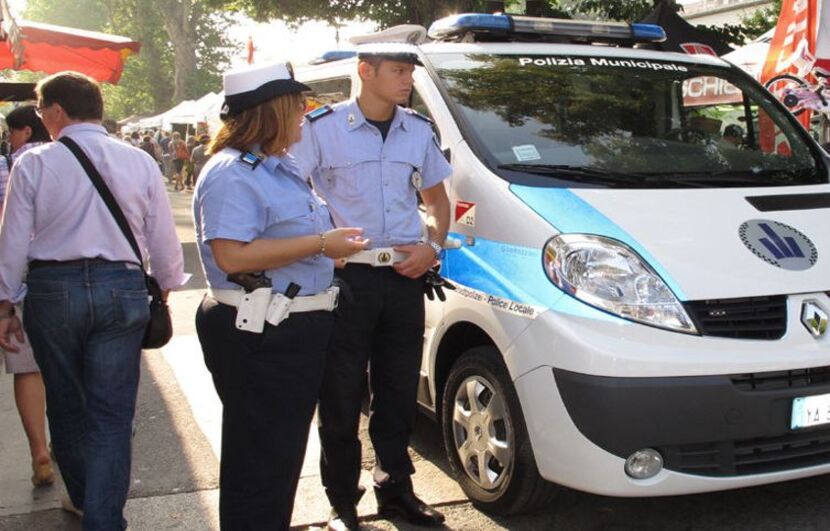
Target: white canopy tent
751 57
189 112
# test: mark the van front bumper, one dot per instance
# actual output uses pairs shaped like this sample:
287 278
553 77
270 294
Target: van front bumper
595 389
712 436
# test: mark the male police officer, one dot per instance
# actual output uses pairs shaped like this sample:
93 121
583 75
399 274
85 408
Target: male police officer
369 158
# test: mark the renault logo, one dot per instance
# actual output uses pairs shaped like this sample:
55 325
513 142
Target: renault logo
814 318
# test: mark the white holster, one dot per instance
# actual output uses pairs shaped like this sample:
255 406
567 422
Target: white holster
261 306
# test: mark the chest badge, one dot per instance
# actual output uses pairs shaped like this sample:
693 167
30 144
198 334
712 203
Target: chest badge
814 318
778 244
417 180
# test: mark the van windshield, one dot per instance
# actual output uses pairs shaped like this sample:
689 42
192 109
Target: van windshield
599 121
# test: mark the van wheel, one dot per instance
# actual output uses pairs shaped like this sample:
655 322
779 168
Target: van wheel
486 438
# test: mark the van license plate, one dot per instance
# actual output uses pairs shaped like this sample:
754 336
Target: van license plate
810 411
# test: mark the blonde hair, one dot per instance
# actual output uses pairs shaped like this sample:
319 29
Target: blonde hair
265 125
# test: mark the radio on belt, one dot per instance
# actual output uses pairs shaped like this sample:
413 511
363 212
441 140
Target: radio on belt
281 302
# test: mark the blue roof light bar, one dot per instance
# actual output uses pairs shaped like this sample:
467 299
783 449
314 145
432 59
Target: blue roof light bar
648 32
333 55
455 24
458 26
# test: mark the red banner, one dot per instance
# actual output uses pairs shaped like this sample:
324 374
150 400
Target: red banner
792 50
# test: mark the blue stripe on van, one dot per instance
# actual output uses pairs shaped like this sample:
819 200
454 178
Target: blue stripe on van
503 270
569 213
513 273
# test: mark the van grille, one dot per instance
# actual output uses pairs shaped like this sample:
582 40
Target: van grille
746 318
754 456
777 380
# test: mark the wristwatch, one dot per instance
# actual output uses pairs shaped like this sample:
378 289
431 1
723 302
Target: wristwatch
439 250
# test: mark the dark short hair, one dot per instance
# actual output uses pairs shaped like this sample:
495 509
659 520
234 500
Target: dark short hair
26 116
79 95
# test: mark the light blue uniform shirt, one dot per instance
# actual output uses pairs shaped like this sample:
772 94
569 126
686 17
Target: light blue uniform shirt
234 201
367 182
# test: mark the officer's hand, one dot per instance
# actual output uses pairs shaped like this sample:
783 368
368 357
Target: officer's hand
421 258
11 328
344 242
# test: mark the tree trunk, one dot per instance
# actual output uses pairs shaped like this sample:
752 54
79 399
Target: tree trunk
179 17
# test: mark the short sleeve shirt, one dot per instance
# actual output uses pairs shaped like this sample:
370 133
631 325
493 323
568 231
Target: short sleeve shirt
366 181
236 201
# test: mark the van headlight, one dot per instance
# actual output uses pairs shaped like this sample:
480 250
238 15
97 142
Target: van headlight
609 275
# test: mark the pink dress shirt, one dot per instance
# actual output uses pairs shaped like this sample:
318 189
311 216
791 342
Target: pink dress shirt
53 212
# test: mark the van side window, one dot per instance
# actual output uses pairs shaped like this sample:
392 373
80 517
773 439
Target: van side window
328 92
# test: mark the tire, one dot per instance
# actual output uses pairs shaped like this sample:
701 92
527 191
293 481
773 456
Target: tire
483 428
787 81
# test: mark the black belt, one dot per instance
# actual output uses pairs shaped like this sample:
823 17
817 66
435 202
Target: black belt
36 264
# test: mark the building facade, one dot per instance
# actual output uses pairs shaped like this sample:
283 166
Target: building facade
720 12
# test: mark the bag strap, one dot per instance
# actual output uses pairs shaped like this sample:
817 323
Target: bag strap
105 194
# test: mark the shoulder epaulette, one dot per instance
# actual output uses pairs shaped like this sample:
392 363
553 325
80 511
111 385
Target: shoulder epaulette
318 113
416 114
252 160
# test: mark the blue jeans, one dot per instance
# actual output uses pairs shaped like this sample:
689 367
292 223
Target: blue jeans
86 322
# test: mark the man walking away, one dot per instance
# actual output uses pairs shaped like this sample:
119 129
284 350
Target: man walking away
85 297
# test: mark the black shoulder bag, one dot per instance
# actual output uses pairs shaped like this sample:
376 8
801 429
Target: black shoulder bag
160 328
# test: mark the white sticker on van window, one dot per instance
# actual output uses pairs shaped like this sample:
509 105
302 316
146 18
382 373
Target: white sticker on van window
526 152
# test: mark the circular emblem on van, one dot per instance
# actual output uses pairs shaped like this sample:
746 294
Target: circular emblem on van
778 244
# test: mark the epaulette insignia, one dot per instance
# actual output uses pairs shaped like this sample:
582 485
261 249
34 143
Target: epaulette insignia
416 114
318 113
250 159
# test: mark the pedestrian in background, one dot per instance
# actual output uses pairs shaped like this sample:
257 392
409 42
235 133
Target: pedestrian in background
167 159
26 131
190 178
254 213
382 329
199 156
85 303
178 150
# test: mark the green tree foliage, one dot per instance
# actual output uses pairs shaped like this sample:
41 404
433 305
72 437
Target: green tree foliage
149 82
384 12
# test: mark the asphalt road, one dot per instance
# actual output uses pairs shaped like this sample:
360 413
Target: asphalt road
175 469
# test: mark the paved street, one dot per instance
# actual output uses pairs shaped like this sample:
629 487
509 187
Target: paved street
175 468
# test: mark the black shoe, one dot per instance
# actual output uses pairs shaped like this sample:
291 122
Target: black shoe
411 509
343 519
344 515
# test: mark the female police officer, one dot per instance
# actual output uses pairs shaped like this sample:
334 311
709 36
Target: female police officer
264 337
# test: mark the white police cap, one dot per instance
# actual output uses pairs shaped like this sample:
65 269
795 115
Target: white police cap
390 51
248 87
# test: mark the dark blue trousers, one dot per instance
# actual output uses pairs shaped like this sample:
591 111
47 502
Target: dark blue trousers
268 384
381 330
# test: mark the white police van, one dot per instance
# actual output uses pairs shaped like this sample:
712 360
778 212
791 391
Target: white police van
644 278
